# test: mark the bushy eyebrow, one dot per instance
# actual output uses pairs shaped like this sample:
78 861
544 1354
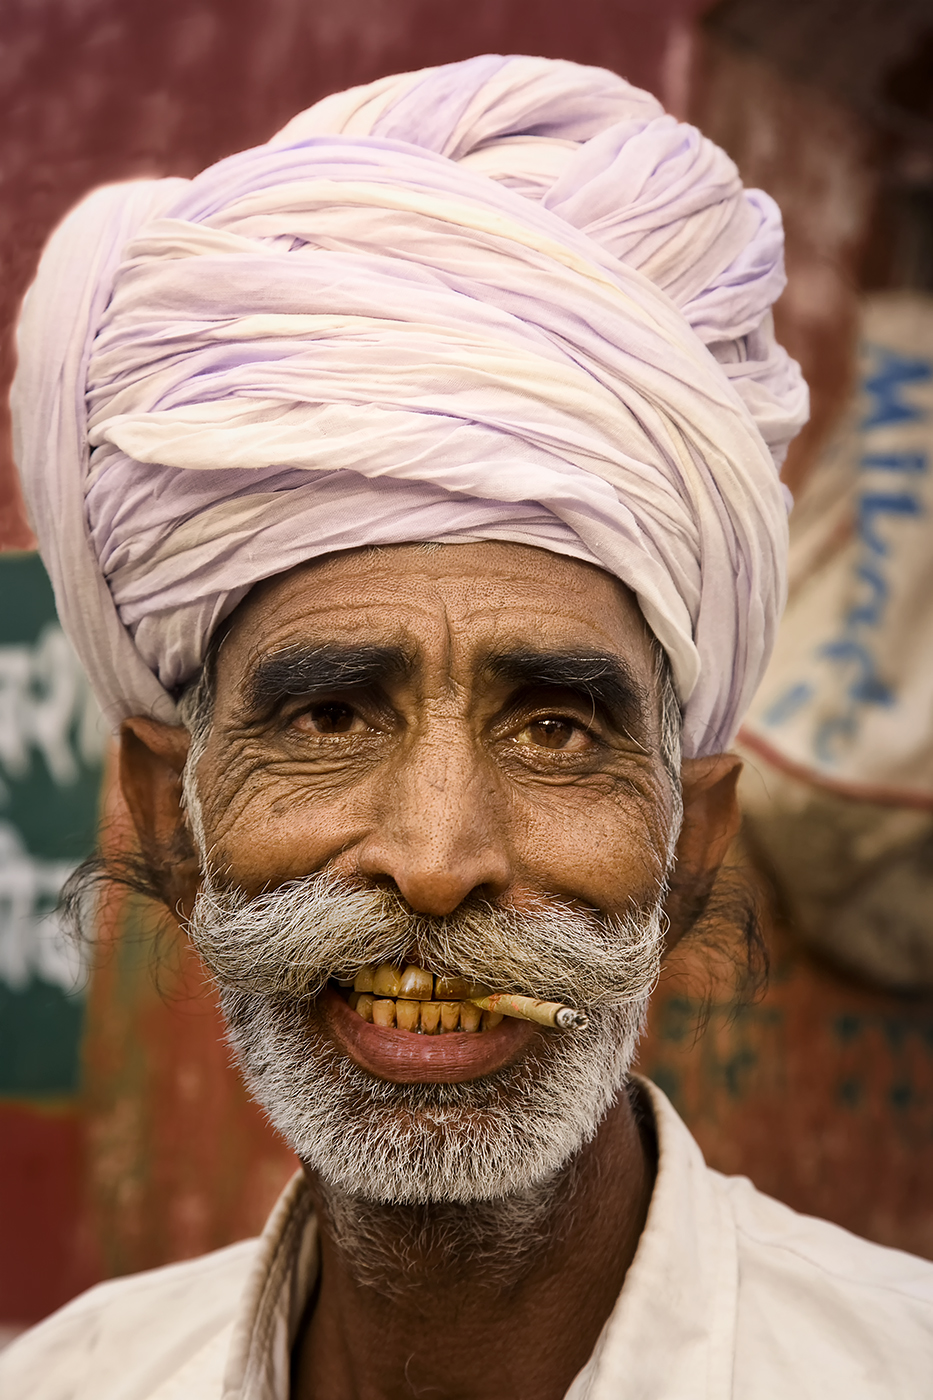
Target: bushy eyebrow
602 677
309 670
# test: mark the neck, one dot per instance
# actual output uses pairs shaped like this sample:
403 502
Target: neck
476 1300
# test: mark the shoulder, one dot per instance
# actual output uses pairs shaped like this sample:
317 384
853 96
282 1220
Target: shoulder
847 1316
126 1337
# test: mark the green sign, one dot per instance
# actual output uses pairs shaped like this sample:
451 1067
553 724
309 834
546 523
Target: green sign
52 741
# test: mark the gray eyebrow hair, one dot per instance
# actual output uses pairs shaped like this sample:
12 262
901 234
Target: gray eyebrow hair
304 670
604 678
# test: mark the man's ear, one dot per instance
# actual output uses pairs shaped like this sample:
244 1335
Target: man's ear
152 760
711 822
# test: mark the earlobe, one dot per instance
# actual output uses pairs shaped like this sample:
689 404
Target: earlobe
152 760
711 823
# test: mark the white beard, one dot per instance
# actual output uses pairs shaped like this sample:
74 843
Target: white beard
483 1140
478 1140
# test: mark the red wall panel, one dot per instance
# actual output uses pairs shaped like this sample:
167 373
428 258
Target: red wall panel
43 1254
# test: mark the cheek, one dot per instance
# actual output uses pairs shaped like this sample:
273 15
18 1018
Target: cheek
602 850
267 825
601 842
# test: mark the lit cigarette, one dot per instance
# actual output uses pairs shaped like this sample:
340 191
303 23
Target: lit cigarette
544 1013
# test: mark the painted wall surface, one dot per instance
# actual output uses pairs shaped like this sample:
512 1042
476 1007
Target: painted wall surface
821 1092
51 750
815 158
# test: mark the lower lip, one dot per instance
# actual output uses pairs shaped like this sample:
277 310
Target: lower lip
405 1057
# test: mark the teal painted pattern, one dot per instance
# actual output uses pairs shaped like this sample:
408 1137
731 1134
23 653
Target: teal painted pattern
52 742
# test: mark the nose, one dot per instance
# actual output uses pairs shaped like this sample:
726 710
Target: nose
441 830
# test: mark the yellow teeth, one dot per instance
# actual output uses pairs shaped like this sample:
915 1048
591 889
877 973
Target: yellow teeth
408 1015
426 1017
363 1006
363 982
383 1013
450 1015
414 1000
470 1016
386 980
453 988
417 984
430 1017
413 983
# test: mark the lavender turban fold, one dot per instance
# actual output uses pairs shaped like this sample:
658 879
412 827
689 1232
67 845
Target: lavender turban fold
504 299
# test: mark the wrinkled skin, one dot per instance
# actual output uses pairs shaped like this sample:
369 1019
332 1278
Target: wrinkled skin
445 773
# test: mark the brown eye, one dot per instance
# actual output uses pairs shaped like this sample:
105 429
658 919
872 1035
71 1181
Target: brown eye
554 733
329 718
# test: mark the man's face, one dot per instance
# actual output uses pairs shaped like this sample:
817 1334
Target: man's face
406 716
466 737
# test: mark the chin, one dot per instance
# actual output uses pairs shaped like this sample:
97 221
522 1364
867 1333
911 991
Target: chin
382 1141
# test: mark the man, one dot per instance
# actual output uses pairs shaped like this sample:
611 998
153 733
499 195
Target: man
409 487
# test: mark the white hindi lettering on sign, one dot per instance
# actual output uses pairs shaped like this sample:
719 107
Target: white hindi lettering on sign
47 713
46 706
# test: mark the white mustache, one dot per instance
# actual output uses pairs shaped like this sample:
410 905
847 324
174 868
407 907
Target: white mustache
288 942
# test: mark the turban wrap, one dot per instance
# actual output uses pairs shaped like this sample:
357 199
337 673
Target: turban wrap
503 299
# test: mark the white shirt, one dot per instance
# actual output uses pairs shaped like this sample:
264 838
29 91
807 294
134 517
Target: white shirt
730 1294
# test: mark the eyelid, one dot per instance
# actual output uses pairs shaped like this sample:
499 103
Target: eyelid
583 711
562 717
353 696
366 704
589 730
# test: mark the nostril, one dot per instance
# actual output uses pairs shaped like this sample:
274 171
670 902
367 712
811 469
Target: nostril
438 892
436 870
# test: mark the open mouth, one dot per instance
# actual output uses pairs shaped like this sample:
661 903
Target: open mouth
426 1052
412 999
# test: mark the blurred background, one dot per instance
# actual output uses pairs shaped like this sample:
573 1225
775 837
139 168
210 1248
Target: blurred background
125 1139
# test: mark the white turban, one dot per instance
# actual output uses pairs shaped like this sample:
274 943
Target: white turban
505 299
